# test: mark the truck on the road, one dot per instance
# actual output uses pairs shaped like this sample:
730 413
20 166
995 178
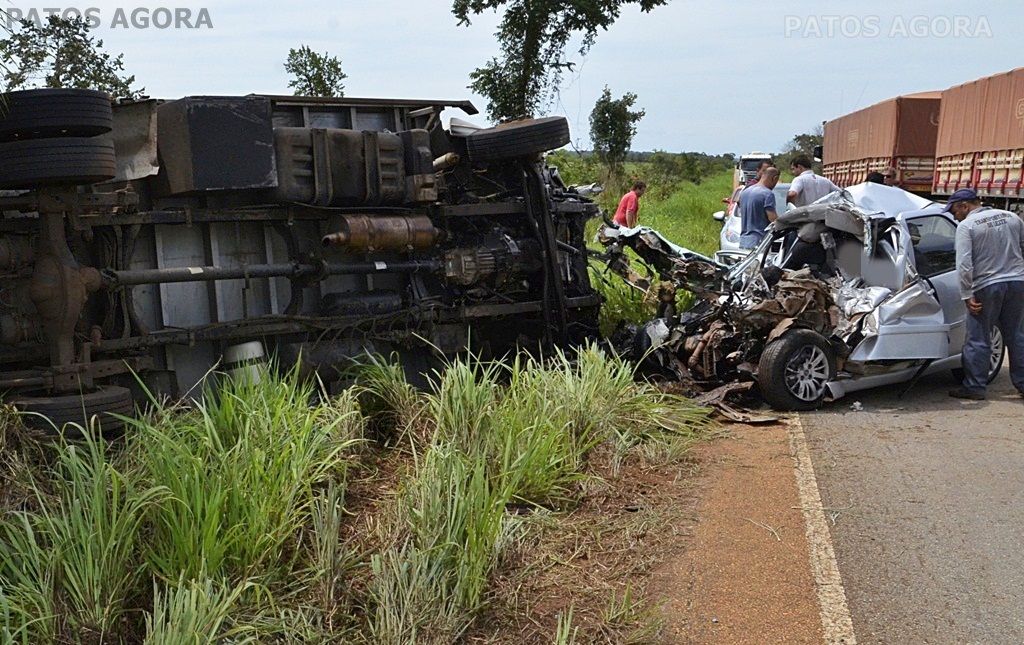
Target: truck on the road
968 136
745 171
897 133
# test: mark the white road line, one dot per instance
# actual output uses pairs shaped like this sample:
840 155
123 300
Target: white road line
835 615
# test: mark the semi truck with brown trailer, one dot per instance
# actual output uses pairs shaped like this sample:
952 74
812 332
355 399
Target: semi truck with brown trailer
968 136
149 241
980 139
899 133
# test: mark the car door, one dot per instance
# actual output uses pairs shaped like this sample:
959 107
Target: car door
933 238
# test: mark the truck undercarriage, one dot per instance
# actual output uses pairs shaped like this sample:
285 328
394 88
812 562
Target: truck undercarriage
320 229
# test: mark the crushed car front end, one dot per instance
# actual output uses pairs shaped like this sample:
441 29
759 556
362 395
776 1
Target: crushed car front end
829 303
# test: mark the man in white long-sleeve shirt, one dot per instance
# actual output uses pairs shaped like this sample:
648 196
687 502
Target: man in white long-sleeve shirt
990 263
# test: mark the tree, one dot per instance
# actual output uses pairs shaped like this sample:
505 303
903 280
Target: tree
533 36
314 74
61 53
800 144
612 128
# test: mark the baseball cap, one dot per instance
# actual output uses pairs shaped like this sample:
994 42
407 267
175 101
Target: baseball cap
962 195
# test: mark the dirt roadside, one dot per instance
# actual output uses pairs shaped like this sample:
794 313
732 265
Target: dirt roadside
746 577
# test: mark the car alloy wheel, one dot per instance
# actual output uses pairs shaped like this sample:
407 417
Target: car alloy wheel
996 360
807 373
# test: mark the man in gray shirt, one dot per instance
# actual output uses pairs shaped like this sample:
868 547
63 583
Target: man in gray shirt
757 208
990 263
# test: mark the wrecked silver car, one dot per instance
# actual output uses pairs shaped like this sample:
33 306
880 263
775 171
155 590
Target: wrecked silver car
855 291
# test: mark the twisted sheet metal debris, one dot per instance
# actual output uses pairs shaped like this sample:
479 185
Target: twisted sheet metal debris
716 344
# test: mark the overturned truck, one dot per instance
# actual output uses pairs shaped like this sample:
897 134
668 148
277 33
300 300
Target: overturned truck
160 238
855 291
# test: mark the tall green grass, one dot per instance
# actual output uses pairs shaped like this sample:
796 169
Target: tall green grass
517 433
72 563
241 468
244 488
194 612
223 522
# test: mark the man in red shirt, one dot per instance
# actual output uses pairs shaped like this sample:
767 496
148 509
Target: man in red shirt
629 205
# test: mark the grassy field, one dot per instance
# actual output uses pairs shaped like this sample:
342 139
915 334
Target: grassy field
383 515
684 217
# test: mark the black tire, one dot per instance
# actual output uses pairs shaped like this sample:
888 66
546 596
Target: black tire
51 414
996 364
63 161
33 114
523 138
780 371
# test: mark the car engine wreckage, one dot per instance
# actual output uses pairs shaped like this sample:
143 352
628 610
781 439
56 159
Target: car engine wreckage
830 302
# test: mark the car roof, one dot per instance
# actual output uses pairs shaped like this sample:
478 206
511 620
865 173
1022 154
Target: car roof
879 200
849 210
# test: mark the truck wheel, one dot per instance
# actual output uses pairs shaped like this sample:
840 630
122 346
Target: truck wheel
795 369
51 413
521 138
55 113
995 363
47 162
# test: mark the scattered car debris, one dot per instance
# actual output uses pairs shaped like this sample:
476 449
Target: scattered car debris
857 406
716 400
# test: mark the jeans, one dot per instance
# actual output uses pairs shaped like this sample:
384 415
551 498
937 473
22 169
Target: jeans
1002 305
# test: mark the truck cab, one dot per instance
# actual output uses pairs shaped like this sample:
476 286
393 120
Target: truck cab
746 167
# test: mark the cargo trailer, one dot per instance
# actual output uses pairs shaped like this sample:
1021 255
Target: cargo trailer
899 132
980 139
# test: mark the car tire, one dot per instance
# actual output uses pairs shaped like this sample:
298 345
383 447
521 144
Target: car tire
998 356
45 113
50 414
62 161
515 139
794 370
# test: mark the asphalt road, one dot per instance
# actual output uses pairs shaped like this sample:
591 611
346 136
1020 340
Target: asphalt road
925 498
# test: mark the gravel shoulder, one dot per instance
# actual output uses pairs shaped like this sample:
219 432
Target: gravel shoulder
746 577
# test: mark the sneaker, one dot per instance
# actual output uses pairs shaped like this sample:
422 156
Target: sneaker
964 393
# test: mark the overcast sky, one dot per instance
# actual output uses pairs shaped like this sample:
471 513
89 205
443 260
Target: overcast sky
713 76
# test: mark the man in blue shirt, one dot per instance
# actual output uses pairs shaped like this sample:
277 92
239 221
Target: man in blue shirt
757 208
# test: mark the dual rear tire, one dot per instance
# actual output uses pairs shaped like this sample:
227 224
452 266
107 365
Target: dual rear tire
52 137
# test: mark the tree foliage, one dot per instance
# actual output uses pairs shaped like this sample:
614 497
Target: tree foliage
800 144
612 128
533 36
61 53
314 74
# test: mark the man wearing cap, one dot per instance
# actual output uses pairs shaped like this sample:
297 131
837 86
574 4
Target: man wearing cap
990 262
